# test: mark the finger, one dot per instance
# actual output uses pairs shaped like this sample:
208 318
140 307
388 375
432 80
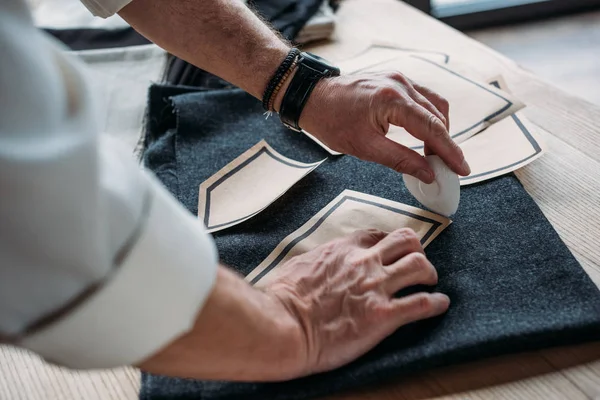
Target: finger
424 125
366 238
438 101
429 106
396 245
410 87
399 158
419 306
413 269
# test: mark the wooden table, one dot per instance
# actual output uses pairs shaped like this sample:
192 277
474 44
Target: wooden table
565 183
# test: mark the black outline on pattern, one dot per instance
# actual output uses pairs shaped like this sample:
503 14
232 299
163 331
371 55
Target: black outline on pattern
233 172
294 242
527 135
489 117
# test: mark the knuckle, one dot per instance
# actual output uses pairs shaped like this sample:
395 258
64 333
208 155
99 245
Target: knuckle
402 165
432 275
443 102
361 259
397 76
387 93
418 260
425 269
424 303
443 119
407 235
436 127
373 234
379 310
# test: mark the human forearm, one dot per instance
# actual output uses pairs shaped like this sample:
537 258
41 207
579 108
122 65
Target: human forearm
241 334
316 312
350 114
221 36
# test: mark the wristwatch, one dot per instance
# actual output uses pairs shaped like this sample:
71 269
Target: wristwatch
311 69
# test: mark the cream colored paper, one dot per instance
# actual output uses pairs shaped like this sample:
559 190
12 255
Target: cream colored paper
323 145
502 148
473 105
247 185
382 51
348 212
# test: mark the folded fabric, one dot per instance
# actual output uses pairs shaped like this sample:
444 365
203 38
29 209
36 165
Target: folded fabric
513 284
69 14
120 79
94 38
319 27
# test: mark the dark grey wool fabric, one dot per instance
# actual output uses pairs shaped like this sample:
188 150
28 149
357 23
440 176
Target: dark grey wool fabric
514 285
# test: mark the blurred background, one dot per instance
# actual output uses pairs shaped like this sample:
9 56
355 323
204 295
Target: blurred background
558 40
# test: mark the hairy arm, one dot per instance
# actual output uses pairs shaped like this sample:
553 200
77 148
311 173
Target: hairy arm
241 334
221 36
316 312
350 114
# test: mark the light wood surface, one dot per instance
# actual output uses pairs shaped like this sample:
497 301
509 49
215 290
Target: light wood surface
565 183
563 50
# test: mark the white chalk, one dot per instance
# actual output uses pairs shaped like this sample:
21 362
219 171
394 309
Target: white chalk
443 195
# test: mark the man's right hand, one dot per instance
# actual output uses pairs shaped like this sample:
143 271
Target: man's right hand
342 295
316 312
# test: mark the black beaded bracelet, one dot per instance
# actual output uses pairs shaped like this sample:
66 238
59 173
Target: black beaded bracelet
279 74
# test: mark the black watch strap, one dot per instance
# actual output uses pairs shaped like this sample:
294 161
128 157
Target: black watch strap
310 71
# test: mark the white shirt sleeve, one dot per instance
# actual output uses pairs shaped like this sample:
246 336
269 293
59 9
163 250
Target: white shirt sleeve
105 8
99 265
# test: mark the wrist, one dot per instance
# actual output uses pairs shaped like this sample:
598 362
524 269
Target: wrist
288 342
311 118
311 72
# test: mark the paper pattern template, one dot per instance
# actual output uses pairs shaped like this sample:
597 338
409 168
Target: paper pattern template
380 52
502 148
348 212
473 105
323 145
248 185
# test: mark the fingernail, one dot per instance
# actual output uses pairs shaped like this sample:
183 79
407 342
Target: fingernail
425 176
465 167
443 301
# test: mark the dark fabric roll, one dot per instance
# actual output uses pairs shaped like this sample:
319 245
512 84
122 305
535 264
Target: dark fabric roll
91 39
513 284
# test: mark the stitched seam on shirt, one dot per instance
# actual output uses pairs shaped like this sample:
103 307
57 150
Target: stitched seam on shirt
120 256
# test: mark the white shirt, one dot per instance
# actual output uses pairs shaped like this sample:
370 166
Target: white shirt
99 265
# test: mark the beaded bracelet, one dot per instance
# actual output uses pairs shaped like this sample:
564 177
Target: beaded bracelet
276 78
285 77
